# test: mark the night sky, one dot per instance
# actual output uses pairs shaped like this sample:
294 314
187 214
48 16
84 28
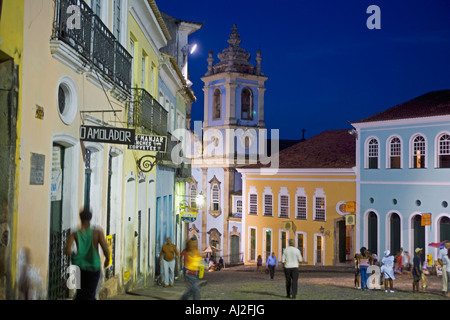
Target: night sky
325 67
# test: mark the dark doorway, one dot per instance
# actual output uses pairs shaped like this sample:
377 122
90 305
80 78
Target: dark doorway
419 234
395 233
372 232
444 227
342 248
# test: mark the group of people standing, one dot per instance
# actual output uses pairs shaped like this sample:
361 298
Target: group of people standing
83 245
399 263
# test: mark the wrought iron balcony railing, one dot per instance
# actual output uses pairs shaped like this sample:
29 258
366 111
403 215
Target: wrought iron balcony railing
172 143
147 114
93 41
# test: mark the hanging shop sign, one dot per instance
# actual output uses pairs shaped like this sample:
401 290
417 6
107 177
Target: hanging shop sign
188 214
149 143
350 207
350 220
426 219
107 135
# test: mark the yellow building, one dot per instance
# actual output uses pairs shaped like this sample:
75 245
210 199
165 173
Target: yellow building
11 57
304 199
154 185
76 73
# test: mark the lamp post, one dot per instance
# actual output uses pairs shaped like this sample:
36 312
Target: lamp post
188 213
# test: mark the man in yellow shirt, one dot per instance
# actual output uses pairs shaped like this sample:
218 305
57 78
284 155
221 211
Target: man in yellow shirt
193 261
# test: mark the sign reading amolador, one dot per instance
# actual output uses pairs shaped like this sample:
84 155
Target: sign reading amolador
107 135
149 143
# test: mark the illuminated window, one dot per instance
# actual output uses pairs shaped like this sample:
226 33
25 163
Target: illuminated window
419 152
444 151
395 149
319 205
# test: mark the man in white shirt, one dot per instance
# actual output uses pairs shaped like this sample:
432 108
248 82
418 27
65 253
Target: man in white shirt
291 259
443 252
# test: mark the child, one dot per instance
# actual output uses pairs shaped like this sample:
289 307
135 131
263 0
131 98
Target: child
259 264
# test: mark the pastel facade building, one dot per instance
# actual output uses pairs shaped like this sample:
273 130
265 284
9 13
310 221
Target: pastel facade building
92 73
154 183
147 34
403 175
304 199
70 82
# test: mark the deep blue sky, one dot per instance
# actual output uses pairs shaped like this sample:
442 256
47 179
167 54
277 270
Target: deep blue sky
325 67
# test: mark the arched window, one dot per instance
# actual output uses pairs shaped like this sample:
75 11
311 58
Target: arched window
444 228
395 152
372 154
444 151
419 152
215 197
193 196
246 104
217 104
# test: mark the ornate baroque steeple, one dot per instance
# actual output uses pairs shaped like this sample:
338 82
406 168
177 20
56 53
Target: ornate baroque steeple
234 58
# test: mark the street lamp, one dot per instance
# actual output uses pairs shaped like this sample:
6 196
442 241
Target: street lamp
200 200
324 232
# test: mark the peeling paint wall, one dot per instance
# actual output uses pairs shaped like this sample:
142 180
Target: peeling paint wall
29 281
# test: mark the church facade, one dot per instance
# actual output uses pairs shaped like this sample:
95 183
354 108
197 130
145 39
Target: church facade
229 137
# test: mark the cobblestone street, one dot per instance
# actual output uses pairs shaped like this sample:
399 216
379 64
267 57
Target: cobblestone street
243 283
332 284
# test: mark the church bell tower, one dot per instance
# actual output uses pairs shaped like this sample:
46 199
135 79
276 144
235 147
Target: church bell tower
233 118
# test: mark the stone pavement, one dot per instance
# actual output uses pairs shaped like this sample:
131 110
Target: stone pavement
156 292
242 282
175 293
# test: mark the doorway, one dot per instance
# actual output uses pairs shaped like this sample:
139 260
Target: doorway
372 232
234 249
342 241
444 229
395 230
58 262
319 250
419 234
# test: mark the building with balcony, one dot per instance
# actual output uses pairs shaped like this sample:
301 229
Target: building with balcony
177 98
147 34
76 73
157 113
403 175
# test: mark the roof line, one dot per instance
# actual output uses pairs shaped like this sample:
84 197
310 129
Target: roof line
159 18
